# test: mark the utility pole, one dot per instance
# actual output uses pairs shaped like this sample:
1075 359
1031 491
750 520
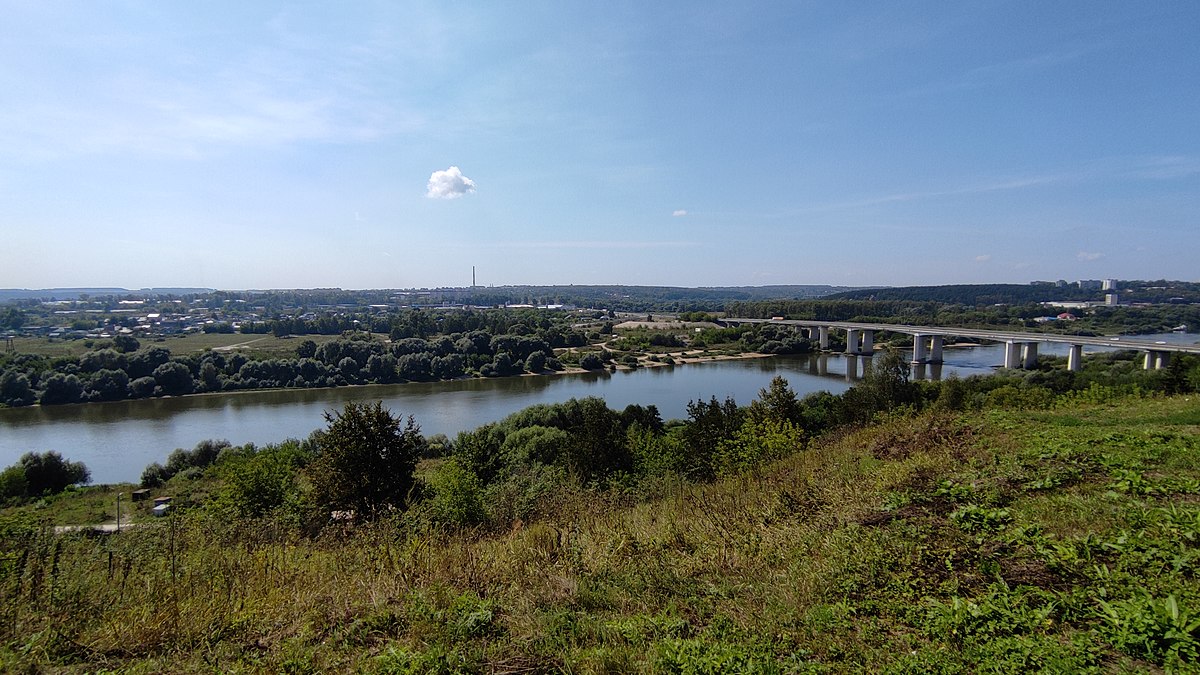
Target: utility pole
118 512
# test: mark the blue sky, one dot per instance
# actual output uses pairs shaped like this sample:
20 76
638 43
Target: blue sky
382 145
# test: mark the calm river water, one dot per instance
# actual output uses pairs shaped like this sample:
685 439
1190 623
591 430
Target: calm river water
117 440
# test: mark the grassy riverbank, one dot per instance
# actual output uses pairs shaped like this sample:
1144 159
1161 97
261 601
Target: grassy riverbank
1065 539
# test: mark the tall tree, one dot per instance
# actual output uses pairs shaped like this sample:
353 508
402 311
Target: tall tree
366 460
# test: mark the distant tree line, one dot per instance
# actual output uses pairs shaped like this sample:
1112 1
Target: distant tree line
125 370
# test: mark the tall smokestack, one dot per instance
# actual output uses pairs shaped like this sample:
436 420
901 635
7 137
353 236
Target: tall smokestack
472 276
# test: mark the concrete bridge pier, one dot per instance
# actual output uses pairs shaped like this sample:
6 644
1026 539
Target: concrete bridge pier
927 348
852 336
868 342
1012 352
935 349
1029 355
1156 360
919 355
823 337
1075 358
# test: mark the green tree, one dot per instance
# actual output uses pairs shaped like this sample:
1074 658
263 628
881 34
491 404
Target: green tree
536 362
306 349
15 389
125 343
885 386
174 378
776 402
49 472
61 388
143 387
108 385
13 318
708 425
365 461
756 442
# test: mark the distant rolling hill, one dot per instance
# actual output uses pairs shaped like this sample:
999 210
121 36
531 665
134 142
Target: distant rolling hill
75 293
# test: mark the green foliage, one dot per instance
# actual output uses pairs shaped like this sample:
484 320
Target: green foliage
701 657
975 518
535 444
709 424
365 461
457 496
37 474
591 361
15 389
1000 613
654 453
1021 398
13 484
885 386
259 483
1159 630
757 442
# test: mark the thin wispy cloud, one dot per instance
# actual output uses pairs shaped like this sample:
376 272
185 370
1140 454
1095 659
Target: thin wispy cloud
1088 256
679 213
994 74
1109 168
983 258
1165 167
273 92
449 184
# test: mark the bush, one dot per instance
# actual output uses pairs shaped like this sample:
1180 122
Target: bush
155 475
13 485
457 496
49 473
260 483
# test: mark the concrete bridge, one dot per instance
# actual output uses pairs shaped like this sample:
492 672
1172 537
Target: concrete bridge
1021 348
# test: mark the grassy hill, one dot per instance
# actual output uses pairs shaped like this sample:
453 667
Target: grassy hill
1065 540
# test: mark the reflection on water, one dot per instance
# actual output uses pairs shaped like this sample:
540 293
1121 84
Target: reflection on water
116 440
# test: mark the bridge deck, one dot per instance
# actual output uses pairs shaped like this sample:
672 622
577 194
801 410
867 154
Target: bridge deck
1122 342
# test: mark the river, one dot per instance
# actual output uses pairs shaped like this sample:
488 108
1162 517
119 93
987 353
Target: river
117 440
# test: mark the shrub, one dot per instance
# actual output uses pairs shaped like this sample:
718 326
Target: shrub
457 496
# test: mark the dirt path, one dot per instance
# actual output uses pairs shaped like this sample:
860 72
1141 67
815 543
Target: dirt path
239 345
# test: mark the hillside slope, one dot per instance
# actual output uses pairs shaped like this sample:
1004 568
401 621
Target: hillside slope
1064 540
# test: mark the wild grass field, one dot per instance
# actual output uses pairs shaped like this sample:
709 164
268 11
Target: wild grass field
1063 540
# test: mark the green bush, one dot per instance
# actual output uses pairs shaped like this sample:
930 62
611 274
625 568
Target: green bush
457 496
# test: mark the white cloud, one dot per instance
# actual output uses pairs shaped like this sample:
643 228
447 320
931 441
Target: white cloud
679 212
1087 256
449 184
983 258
